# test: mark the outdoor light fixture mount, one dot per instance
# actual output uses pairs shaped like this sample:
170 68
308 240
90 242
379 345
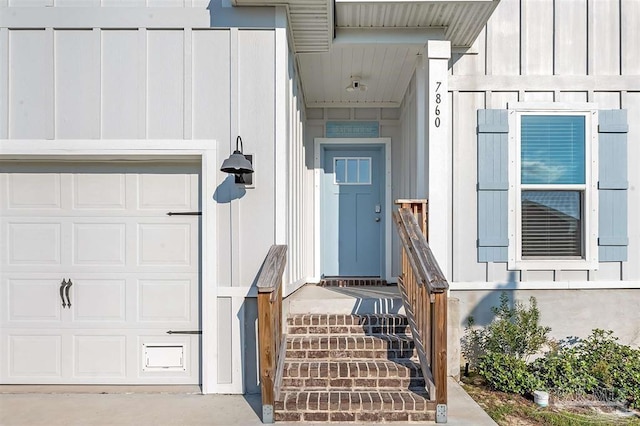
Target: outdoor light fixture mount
239 164
356 85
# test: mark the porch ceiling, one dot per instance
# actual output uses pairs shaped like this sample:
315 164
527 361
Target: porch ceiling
376 40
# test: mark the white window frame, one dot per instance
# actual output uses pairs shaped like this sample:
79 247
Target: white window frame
590 188
358 182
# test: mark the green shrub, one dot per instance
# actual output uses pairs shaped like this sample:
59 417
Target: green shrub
614 366
564 372
472 344
507 373
598 363
500 351
516 330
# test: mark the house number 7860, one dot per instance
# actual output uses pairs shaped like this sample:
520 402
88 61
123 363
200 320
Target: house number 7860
438 100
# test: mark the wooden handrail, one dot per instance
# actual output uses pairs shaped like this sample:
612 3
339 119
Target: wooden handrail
424 287
270 336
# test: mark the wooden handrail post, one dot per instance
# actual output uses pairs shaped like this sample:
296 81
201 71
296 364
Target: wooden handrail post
439 349
267 356
270 333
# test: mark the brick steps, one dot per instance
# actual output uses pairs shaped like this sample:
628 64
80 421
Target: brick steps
344 406
350 347
353 375
351 368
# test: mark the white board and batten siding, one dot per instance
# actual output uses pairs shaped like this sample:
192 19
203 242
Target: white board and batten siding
143 83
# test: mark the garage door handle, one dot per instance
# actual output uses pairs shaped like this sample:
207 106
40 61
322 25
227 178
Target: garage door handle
66 292
184 332
62 286
184 214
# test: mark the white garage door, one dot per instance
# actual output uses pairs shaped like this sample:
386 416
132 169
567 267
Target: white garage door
94 273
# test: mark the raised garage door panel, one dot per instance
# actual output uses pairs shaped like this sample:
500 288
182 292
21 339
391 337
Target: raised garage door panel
133 272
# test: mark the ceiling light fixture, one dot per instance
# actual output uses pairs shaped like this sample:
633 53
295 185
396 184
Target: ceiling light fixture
356 85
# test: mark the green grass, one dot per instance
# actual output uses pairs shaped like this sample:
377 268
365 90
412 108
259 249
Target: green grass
506 409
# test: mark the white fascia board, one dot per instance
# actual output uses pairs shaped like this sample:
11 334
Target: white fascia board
105 17
387 36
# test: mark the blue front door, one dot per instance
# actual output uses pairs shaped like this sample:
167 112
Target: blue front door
352 211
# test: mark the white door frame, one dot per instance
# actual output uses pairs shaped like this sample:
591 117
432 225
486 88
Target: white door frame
165 150
317 151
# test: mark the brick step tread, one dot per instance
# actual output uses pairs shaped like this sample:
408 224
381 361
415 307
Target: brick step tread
377 341
353 401
365 417
404 368
354 384
345 319
355 347
364 330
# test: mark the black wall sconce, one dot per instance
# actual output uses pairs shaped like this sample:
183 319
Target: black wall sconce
239 165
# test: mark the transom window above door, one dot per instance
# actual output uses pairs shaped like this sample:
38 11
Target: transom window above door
352 170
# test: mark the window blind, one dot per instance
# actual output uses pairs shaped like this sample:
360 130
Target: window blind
552 149
551 224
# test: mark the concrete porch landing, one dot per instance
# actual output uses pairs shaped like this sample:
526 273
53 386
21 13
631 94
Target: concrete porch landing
312 299
22 408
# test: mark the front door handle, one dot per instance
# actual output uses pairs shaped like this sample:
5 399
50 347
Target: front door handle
377 219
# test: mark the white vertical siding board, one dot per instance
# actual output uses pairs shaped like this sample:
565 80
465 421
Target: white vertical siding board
283 141
570 28
31 88
607 100
538 96
188 84
537 276
572 97
504 39
30 3
211 117
4 82
165 84
121 87
256 118
499 100
232 228
607 271
77 3
465 64
165 3
631 270
630 34
604 37
465 197
225 340
211 90
537 37
143 87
